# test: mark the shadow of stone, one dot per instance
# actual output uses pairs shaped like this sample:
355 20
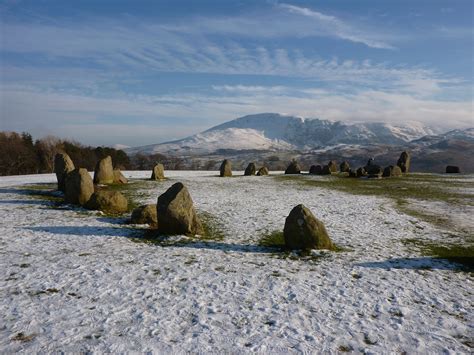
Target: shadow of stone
27 202
421 263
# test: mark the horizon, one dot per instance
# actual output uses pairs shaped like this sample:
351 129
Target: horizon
150 73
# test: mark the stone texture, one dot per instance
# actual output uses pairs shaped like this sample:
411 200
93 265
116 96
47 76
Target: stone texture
225 169
119 178
361 172
145 214
262 171
63 165
316 170
304 231
108 201
452 169
332 165
326 170
293 168
104 171
344 167
79 187
176 213
404 162
158 172
250 170
392 171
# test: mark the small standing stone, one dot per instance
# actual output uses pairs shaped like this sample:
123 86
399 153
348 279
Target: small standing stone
79 187
262 171
404 162
158 172
104 171
226 169
316 170
293 168
107 201
63 165
119 178
391 171
344 167
145 214
250 170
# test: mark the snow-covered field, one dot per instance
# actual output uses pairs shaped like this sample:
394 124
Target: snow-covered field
74 281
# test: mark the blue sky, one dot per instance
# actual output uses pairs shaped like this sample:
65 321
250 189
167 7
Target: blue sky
143 72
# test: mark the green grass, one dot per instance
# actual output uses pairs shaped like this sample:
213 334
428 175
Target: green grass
461 254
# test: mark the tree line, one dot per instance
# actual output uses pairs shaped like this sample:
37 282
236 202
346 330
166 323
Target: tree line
20 154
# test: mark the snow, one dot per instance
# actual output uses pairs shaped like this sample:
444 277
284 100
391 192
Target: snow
230 296
272 131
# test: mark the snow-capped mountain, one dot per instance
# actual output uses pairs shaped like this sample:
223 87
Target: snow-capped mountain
271 131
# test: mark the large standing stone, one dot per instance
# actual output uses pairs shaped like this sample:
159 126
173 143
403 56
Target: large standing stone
344 167
262 171
107 201
79 187
63 165
404 162
316 170
451 169
176 213
226 168
304 231
250 170
145 214
158 172
332 165
391 171
119 178
104 171
293 168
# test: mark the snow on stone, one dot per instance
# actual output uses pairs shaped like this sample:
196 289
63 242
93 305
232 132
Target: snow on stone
75 281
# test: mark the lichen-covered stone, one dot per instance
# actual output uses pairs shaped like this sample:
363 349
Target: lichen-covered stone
79 187
107 201
104 171
158 172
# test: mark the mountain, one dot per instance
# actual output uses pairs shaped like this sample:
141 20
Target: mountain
275 132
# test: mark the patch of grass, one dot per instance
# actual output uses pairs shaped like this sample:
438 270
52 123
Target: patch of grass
23 337
460 254
273 239
212 227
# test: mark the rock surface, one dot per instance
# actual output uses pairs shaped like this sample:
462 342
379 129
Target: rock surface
158 172
63 165
145 214
404 162
451 169
262 171
391 171
226 168
250 170
293 168
79 187
344 167
119 178
361 172
304 231
107 201
176 213
316 170
104 171
332 165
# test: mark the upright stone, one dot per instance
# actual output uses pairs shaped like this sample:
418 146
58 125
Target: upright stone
119 178
316 170
391 171
293 168
250 170
79 187
104 171
176 213
262 171
158 172
451 169
344 167
326 170
361 172
63 165
304 231
332 165
404 162
226 168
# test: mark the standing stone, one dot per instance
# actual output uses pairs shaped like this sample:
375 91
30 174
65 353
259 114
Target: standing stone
451 169
63 165
293 168
119 178
352 173
361 172
374 171
404 162
107 201
250 170
226 168
326 170
304 231
316 170
332 165
104 171
262 171
176 214
79 187
391 171
344 167
145 214
158 172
